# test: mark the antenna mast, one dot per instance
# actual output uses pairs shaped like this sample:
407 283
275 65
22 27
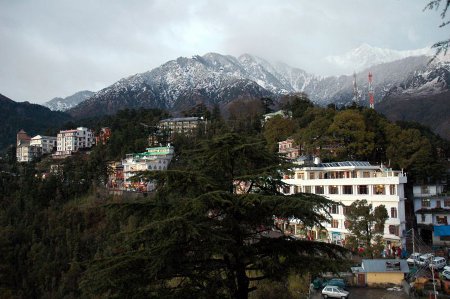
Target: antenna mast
371 100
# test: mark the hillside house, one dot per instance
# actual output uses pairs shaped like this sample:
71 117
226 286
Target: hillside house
432 210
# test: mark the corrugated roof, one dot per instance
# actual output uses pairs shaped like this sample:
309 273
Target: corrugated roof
379 265
345 164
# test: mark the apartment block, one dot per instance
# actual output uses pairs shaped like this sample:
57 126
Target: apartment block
346 182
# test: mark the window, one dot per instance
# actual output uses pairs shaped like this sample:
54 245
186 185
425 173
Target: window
297 189
423 217
378 189
312 176
392 189
333 190
394 230
286 189
362 189
424 190
334 209
366 174
348 190
319 190
393 212
446 202
334 223
438 203
441 220
426 203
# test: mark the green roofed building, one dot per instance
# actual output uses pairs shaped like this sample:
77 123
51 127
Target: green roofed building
154 159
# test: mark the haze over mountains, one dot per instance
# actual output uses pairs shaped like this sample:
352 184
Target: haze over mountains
401 85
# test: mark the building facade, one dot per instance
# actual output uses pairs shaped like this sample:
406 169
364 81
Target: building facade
47 143
289 149
155 158
432 210
25 150
70 141
180 125
346 182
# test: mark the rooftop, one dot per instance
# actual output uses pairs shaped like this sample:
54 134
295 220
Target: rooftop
384 265
193 118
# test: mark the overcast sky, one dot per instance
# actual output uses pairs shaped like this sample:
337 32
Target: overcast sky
56 48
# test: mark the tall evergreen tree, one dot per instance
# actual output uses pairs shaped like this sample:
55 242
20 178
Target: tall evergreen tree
200 238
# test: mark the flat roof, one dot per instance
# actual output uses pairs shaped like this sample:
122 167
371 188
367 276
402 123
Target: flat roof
181 119
344 164
380 266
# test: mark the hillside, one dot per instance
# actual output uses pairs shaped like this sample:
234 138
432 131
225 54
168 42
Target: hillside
33 118
430 110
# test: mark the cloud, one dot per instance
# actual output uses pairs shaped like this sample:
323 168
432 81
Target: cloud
56 48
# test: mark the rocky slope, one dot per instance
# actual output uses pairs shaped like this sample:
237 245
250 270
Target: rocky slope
63 104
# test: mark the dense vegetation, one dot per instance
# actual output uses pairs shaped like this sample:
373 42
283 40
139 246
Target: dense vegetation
34 119
62 236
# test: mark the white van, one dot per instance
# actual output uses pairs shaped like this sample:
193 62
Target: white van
438 263
425 259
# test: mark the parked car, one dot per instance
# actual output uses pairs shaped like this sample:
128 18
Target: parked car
414 258
337 282
446 274
425 259
334 292
438 263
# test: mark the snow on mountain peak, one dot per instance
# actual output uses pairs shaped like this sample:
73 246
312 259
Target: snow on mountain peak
366 56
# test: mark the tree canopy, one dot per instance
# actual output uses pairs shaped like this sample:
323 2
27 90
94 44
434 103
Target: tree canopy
201 238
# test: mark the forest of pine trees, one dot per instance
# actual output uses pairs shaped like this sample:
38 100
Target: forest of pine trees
63 237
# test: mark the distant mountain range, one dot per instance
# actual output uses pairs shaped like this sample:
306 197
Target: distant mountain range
33 118
63 104
220 79
366 56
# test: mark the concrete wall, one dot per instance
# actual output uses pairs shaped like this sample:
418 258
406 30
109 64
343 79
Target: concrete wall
373 279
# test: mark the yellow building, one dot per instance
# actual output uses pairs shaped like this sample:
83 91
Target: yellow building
380 272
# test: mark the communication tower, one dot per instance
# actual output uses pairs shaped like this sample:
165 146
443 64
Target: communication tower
371 100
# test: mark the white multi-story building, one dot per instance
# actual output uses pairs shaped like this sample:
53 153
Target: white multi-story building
155 158
25 152
71 141
46 143
432 210
346 182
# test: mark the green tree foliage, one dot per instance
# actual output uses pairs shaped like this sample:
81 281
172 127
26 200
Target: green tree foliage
366 224
277 129
296 103
348 130
244 115
313 135
201 239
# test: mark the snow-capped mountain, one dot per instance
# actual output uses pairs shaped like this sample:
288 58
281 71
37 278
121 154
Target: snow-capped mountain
366 56
63 104
218 79
212 78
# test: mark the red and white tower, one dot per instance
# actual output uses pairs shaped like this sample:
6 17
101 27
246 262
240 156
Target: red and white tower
371 100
